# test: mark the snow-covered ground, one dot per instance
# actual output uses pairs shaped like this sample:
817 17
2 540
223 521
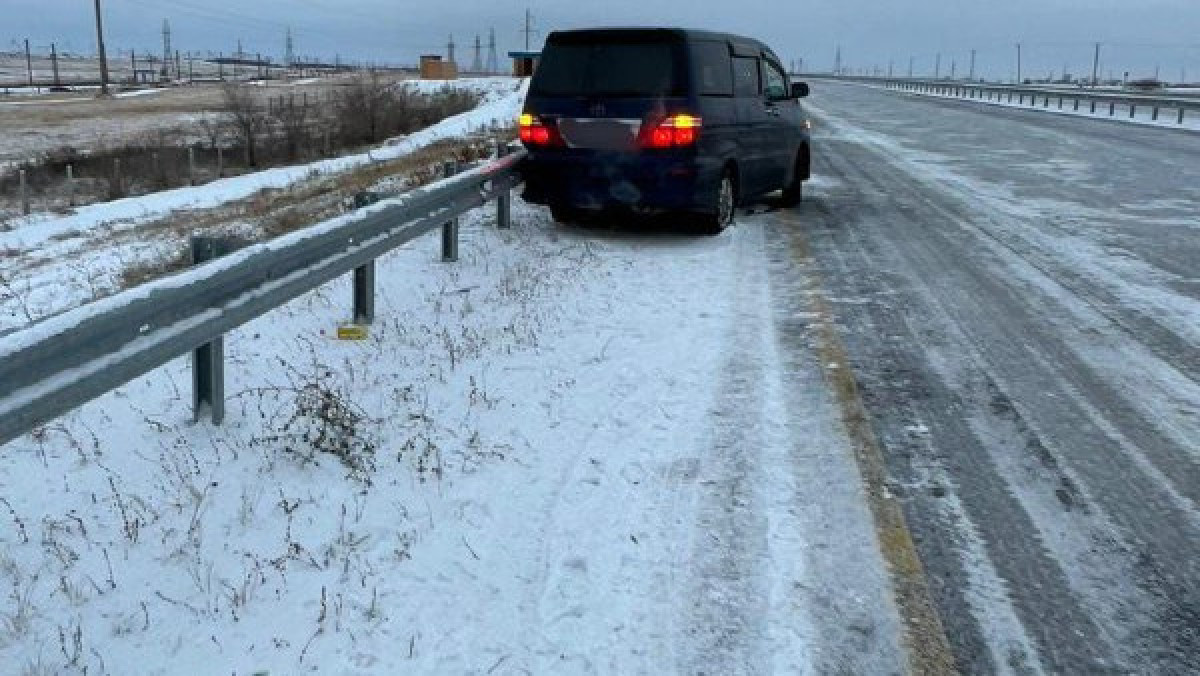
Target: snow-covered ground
570 452
49 262
1143 114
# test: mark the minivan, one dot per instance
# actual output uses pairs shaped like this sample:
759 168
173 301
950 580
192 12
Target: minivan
661 119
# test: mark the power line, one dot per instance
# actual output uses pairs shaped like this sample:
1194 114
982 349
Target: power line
477 62
493 62
166 30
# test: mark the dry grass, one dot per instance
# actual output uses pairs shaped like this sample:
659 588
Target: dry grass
277 212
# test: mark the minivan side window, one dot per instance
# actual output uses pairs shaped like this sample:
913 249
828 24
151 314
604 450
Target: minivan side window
745 76
776 85
713 70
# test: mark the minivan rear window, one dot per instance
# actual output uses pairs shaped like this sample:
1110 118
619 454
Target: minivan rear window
620 69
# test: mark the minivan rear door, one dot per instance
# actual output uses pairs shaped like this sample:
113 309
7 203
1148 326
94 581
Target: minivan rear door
601 86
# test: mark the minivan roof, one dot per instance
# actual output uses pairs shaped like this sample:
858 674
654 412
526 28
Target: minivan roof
687 34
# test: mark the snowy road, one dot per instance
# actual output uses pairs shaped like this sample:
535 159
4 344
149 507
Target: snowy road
1020 298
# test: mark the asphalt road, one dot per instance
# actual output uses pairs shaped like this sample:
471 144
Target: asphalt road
1019 297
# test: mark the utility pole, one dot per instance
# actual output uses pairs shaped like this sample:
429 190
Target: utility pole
166 31
891 64
477 62
1019 80
953 68
54 63
910 67
100 52
972 76
450 50
529 30
837 61
28 62
937 67
1096 66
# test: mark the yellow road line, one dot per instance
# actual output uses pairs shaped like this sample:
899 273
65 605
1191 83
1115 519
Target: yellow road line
924 637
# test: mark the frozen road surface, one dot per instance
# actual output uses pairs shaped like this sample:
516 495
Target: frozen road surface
1019 295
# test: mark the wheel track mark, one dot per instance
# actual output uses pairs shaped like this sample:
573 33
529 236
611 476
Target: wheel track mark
924 636
1163 334
1179 604
1173 477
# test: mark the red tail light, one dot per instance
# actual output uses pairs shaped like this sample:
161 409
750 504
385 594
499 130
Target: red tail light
673 132
533 132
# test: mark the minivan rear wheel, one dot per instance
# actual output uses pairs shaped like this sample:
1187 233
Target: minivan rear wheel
566 214
714 223
793 192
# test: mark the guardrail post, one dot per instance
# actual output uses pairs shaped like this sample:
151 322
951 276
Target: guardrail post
191 165
70 186
1060 101
364 293
1132 110
1154 115
1181 109
1076 108
450 228
1112 108
504 199
24 193
208 361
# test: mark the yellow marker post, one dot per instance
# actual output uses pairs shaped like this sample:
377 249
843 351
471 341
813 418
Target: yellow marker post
352 332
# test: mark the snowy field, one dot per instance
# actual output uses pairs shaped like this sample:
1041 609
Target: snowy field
533 477
519 471
51 262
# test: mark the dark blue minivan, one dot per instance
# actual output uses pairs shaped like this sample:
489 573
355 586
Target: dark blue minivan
658 119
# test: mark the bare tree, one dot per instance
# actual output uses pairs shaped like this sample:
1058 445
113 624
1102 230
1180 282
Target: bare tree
247 117
362 105
293 120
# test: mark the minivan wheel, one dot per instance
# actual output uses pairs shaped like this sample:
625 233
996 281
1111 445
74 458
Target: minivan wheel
566 214
714 223
793 192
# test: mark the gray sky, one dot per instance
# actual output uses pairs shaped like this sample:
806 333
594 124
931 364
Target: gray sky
1138 35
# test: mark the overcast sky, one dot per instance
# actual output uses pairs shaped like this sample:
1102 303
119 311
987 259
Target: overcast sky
1138 35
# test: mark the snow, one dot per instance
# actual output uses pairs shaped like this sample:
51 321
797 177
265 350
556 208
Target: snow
138 93
60 268
590 455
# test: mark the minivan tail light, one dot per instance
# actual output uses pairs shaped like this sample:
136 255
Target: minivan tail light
533 132
674 131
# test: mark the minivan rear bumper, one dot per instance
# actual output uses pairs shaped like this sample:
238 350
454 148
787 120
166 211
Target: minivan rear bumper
603 179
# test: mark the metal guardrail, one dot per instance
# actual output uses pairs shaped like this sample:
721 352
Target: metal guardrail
52 367
1038 97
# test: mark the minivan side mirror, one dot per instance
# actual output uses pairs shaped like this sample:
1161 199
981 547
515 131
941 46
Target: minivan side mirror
799 90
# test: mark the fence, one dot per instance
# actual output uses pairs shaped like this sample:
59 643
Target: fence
1177 110
58 364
